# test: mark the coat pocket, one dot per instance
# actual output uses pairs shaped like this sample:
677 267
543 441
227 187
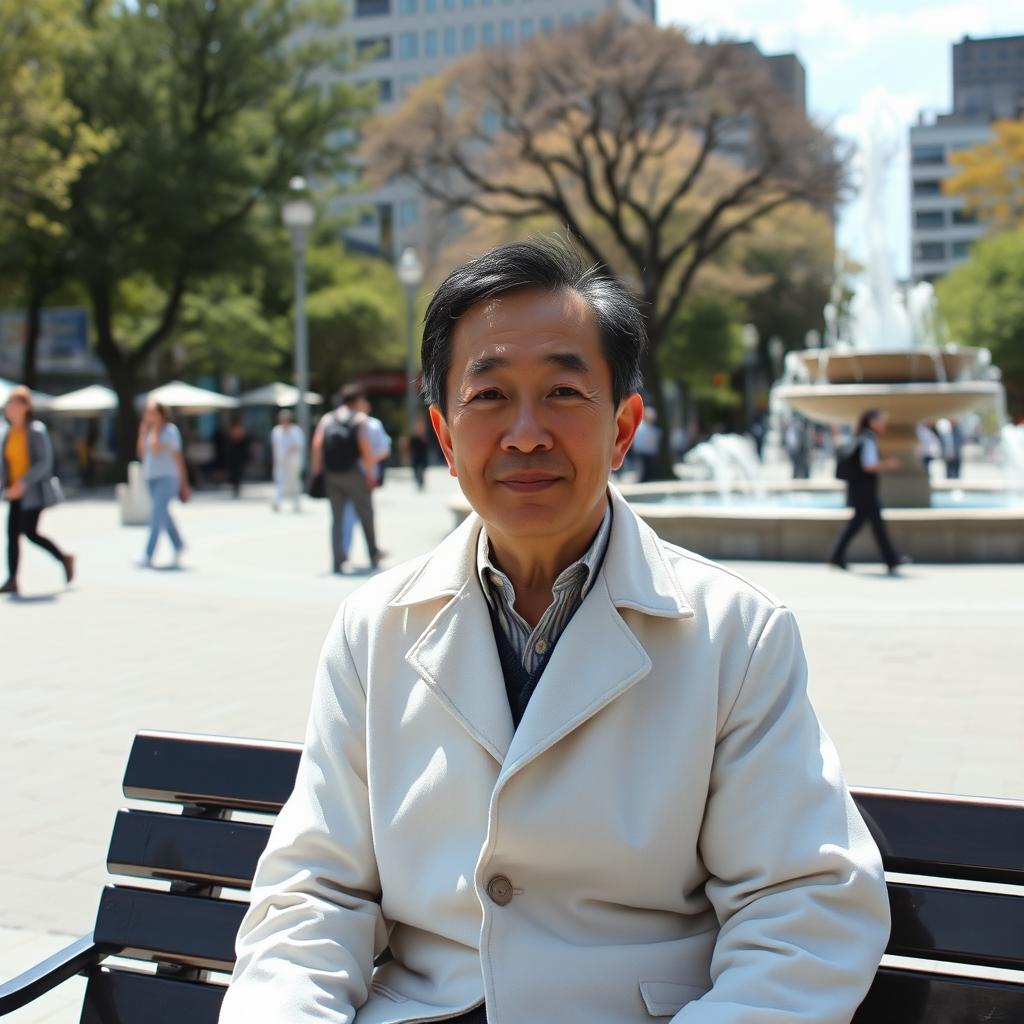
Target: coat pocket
666 998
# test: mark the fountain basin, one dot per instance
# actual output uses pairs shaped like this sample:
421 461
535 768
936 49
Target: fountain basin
850 366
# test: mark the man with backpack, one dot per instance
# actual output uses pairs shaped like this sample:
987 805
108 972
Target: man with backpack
342 451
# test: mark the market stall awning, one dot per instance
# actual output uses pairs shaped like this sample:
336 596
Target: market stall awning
280 395
93 400
187 398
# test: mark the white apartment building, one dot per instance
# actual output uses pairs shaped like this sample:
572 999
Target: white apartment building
406 41
941 233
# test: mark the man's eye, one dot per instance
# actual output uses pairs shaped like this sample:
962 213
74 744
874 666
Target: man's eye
565 391
490 394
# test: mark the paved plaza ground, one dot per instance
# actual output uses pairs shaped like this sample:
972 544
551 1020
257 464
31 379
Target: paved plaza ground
918 679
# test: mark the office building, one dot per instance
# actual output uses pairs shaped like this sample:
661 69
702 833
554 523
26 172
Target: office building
988 84
406 41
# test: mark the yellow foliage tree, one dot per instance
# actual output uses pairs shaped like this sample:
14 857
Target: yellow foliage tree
990 177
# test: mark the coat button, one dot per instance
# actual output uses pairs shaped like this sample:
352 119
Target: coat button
499 888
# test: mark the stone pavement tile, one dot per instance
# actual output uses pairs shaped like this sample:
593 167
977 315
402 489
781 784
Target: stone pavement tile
21 949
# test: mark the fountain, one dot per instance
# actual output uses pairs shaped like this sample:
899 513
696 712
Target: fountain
891 353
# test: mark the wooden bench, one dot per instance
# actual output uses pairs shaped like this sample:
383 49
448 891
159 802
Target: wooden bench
946 919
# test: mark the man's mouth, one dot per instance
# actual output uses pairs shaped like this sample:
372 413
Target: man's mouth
528 482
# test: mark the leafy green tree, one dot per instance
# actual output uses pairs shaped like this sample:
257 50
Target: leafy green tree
983 304
215 104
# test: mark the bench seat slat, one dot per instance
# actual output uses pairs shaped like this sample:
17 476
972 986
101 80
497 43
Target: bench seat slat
952 924
212 771
151 924
172 847
949 837
119 996
916 997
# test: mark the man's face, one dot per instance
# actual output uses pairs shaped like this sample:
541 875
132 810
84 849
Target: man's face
531 430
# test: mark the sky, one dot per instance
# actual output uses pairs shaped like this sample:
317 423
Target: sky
858 53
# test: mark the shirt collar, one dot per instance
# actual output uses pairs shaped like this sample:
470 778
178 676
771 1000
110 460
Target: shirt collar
587 564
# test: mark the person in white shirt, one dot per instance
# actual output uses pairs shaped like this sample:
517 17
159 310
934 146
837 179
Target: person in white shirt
287 443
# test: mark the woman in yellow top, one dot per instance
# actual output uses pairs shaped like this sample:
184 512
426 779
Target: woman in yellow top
26 472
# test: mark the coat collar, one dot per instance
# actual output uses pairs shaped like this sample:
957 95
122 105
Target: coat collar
457 658
636 567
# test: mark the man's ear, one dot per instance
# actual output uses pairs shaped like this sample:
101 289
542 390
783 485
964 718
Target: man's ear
628 417
444 437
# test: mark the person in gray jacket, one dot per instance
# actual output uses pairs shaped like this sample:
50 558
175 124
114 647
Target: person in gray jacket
26 481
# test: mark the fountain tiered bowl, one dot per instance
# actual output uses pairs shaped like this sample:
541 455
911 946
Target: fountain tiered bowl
910 387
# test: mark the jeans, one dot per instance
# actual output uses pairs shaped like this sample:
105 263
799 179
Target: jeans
343 488
25 522
161 491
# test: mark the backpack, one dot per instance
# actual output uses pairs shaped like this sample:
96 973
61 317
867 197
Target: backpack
341 444
848 465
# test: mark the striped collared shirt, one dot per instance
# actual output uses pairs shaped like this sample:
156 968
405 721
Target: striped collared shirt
534 645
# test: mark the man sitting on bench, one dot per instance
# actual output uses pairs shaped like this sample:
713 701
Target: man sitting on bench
558 769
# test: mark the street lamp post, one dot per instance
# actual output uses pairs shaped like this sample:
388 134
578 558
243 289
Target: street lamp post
750 342
298 214
410 273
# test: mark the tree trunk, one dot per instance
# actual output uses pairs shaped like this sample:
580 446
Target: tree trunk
33 326
124 381
664 467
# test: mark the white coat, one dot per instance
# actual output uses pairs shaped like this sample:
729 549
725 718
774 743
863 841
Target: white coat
666 834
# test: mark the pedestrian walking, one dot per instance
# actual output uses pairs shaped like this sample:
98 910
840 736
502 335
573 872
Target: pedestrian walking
860 467
419 451
380 446
646 443
287 445
28 484
237 453
340 443
163 466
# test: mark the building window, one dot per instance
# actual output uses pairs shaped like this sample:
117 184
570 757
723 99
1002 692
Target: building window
449 5
487 33
931 251
508 31
468 38
407 6
430 6
927 188
406 84
450 44
929 155
963 217
408 213
547 24
385 90
408 45
372 8
929 219
526 28
430 42
374 48
961 250
568 19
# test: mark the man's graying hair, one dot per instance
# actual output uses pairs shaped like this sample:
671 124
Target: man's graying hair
551 264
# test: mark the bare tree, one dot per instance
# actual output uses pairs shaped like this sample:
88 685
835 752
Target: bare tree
651 149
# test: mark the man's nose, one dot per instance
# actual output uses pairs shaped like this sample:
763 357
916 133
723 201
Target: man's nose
526 432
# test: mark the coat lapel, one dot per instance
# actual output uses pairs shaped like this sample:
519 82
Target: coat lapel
456 655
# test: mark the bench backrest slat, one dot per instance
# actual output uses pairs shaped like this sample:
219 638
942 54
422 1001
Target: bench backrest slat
151 924
173 847
953 924
211 771
122 996
917 997
946 837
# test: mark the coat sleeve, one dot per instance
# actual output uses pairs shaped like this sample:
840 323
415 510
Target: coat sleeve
795 878
41 452
306 947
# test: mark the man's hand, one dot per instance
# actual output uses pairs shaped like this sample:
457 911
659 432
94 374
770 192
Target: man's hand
15 491
371 479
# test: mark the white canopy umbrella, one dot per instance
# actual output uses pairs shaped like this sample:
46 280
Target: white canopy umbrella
284 396
93 400
40 401
187 398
